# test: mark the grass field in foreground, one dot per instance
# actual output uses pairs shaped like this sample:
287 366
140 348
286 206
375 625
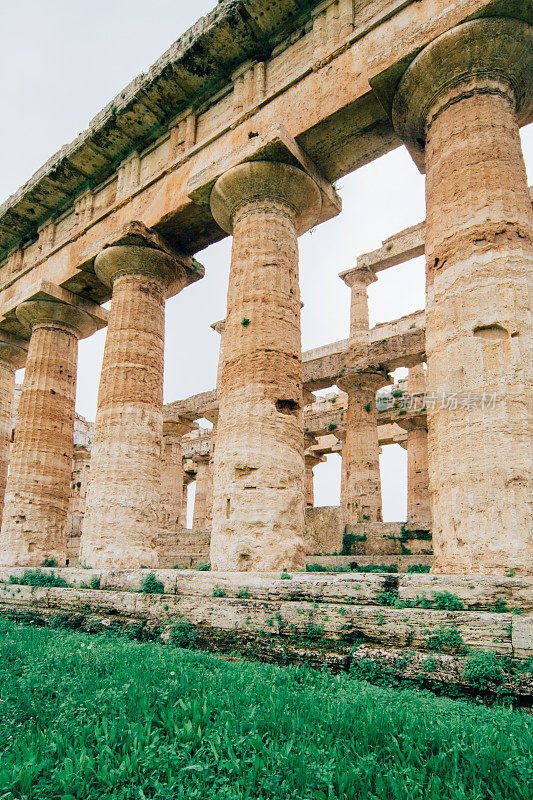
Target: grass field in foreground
97 717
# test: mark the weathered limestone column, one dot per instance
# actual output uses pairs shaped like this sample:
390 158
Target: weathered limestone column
361 489
38 485
123 500
311 462
459 104
13 354
418 499
258 509
203 494
172 472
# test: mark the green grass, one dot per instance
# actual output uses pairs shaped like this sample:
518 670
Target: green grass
98 718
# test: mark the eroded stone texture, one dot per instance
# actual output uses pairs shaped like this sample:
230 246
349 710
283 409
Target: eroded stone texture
361 481
464 96
418 498
12 356
172 477
123 501
258 509
203 495
311 462
38 486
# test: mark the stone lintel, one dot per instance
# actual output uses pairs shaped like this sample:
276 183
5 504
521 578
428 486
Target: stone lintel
178 427
44 290
137 234
275 145
13 350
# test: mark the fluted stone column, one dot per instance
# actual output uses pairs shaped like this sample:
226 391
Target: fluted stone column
172 473
38 485
13 354
418 499
361 489
311 462
459 104
123 500
203 493
258 509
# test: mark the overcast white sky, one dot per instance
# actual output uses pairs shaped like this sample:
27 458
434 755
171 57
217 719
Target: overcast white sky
61 61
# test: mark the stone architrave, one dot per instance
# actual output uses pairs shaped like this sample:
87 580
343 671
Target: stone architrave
258 508
124 496
458 107
38 485
13 354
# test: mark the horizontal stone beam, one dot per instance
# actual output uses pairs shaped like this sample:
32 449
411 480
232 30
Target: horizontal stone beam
399 248
230 78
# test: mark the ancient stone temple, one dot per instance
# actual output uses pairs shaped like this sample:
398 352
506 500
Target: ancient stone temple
241 129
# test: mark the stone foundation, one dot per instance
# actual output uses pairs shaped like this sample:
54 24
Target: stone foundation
320 619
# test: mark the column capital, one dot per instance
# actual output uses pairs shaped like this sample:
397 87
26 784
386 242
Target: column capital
13 350
363 382
131 259
33 313
266 180
492 55
363 276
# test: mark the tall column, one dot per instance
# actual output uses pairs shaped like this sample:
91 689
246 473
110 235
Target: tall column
418 499
311 462
203 492
13 354
361 489
38 485
459 104
172 473
258 509
123 500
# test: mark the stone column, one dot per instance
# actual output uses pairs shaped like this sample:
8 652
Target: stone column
123 501
13 354
459 105
311 461
203 494
418 499
172 473
40 471
258 509
361 489
187 479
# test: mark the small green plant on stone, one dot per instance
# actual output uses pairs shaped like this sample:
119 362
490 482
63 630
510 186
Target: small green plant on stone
418 568
151 585
447 637
245 322
285 576
182 635
95 583
430 664
34 577
218 591
499 606
50 562
511 573
205 566
482 667
243 593
446 601
332 426
368 408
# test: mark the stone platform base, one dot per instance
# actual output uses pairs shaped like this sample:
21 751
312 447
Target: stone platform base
324 619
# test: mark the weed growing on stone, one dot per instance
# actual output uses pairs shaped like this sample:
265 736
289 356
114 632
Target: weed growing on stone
219 591
151 585
34 577
204 567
